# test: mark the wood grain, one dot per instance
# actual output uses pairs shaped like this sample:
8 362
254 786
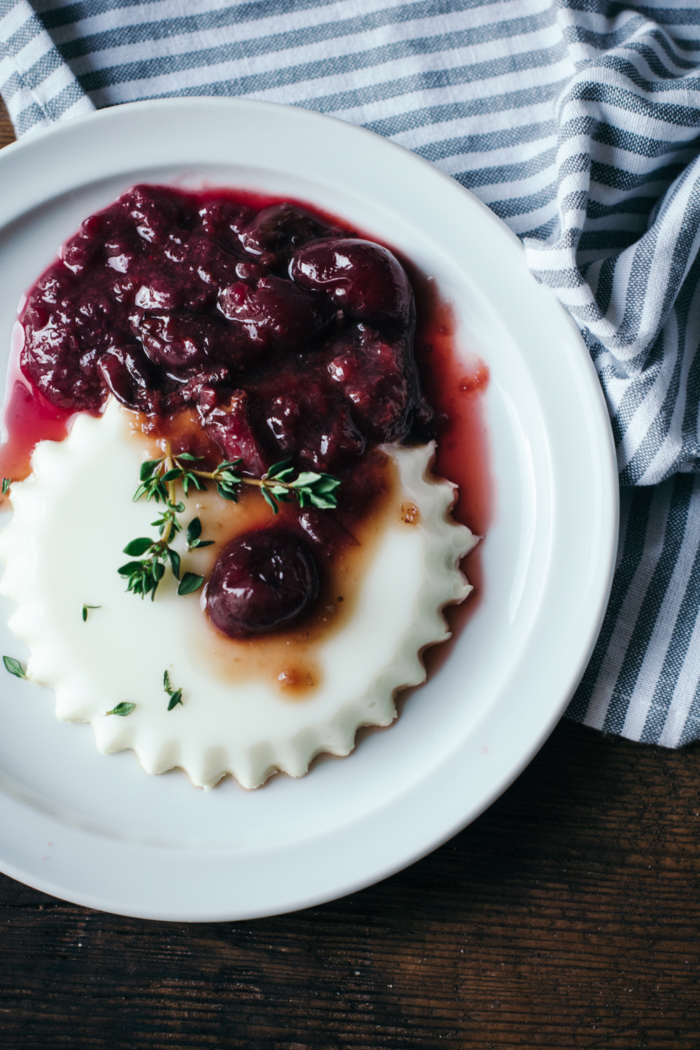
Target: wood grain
7 132
567 916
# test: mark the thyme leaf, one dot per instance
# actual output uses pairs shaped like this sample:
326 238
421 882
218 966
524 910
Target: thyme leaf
148 468
190 582
85 610
269 498
14 667
139 546
277 470
122 709
194 531
190 478
174 559
6 482
228 490
174 694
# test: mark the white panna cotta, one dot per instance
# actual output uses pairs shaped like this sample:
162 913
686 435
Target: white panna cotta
72 518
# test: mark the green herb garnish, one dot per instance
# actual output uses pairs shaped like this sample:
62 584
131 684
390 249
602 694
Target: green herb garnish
158 478
190 582
6 482
174 694
85 610
121 709
14 667
144 576
280 484
194 531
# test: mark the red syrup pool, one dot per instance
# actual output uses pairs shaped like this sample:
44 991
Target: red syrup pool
28 418
454 386
111 258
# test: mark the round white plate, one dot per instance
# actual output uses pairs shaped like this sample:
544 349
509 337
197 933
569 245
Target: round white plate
99 831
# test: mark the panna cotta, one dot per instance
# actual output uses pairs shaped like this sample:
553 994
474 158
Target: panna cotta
238 713
237 553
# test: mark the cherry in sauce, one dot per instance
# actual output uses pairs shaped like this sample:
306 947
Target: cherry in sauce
262 581
169 300
276 330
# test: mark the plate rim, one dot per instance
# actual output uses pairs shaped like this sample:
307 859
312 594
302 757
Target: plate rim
40 141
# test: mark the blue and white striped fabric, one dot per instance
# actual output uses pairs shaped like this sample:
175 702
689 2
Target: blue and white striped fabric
578 123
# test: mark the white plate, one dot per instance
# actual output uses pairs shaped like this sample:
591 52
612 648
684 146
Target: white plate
97 830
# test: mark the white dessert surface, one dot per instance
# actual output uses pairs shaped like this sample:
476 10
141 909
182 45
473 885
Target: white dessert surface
72 517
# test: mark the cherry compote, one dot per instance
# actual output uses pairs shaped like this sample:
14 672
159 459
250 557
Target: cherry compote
169 300
280 333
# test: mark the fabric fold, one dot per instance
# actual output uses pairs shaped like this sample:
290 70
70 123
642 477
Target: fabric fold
38 86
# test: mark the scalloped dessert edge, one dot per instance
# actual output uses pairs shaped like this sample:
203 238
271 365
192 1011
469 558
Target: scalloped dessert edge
445 584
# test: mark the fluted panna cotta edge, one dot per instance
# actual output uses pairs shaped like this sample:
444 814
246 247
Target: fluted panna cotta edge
161 745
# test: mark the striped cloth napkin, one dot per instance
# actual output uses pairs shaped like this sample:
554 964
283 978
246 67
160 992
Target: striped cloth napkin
578 123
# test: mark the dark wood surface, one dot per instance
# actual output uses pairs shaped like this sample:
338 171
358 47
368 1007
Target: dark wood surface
7 133
568 915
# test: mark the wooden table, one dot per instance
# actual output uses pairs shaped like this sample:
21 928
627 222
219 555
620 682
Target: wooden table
567 916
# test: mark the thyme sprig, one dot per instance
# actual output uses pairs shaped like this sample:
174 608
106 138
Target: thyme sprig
157 481
281 484
174 694
158 477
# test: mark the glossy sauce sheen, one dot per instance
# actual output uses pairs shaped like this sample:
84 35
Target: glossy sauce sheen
287 659
451 387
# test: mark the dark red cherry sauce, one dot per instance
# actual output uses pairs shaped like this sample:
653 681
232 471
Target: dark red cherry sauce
241 326
454 386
